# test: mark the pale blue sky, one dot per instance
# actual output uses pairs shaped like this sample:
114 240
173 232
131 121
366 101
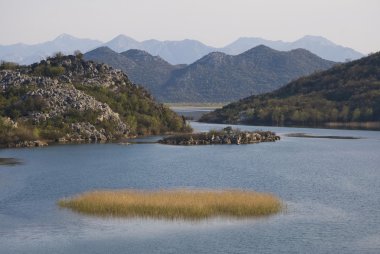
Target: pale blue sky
352 23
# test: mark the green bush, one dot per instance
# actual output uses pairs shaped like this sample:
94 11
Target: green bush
48 70
10 134
8 66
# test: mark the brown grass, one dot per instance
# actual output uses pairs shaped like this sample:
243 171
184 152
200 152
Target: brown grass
174 204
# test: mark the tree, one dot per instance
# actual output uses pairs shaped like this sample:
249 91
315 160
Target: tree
296 116
58 54
343 115
78 54
356 115
334 113
367 113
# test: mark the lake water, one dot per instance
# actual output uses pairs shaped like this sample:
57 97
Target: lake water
331 188
193 113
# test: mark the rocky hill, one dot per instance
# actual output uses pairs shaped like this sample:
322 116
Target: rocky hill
217 77
343 95
68 98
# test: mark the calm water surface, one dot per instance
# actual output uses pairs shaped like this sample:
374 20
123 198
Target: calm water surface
331 188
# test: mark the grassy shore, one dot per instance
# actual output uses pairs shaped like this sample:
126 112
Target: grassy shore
174 204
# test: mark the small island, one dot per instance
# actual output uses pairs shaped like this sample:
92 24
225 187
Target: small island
183 204
227 135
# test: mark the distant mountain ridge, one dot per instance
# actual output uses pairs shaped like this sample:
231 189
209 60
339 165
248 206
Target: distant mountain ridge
28 54
175 52
216 77
315 44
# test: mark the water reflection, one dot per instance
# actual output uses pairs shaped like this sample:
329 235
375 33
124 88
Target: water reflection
9 161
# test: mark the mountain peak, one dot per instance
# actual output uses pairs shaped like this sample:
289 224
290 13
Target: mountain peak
135 52
122 43
103 49
64 36
316 39
213 57
259 49
123 37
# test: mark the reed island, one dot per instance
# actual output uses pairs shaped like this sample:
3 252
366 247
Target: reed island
182 204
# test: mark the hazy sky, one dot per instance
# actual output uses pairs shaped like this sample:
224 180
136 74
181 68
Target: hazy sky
352 23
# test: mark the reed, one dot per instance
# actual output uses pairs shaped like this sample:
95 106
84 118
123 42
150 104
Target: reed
174 204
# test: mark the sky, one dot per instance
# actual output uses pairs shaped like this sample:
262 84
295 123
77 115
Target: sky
351 23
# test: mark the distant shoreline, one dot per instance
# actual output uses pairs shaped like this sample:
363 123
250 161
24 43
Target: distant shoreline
195 105
360 126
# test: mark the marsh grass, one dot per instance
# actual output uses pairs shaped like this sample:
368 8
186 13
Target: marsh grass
174 204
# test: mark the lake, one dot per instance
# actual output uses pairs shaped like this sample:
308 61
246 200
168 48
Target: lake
331 188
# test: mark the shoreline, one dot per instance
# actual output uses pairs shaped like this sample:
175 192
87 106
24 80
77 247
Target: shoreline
327 126
130 140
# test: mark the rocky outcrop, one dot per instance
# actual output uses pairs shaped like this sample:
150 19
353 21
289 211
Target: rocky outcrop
226 136
60 96
35 143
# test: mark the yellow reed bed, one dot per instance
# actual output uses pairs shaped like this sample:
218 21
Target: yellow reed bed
174 204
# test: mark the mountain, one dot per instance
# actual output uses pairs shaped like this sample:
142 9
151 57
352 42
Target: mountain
28 54
218 77
245 43
150 71
315 44
344 94
141 67
68 98
175 52
111 58
122 43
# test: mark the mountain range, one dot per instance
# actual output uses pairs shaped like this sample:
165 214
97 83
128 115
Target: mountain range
216 77
344 95
315 44
175 52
